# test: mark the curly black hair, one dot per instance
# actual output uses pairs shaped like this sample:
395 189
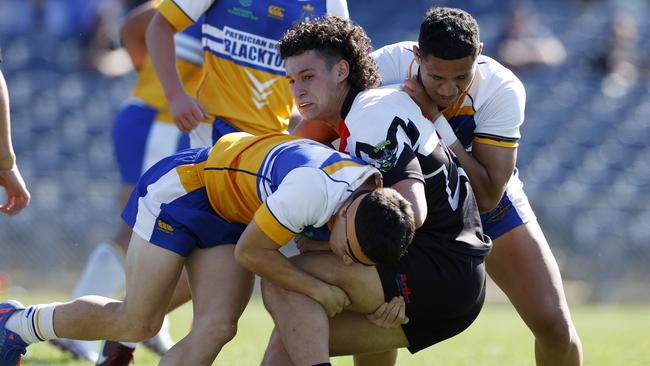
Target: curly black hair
335 38
449 34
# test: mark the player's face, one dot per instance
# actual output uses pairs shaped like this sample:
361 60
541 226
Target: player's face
318 88
343 239
445 80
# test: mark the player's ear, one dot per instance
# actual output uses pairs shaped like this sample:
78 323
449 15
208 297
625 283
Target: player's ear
342 70
480 49
416 52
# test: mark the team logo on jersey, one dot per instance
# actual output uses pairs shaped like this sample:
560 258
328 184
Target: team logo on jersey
307 12
276 12
260 90
245 2
383 156
164 226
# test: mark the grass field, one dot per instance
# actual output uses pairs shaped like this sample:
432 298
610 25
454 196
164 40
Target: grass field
611 336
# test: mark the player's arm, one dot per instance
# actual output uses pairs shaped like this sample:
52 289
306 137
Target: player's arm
10 178
413 191
490 164
186 111
133 32
259 253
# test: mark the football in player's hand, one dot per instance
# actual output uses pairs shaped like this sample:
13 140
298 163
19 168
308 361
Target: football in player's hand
316 130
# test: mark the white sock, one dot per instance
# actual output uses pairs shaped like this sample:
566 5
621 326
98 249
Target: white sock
104 272
34 324
130 345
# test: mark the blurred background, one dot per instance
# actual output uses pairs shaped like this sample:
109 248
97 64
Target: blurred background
584 155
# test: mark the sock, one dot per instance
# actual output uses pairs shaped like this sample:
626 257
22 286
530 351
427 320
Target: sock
104 272
34 324
130 345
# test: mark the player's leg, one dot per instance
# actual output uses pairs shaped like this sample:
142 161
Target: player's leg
523 266
151 275
220 291
302 322
386 358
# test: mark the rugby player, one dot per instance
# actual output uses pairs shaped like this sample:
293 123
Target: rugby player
243 86
441 278
477 106
191 208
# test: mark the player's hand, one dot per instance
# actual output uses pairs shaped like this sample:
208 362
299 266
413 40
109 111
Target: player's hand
187 112
414 88
390 314
17 194
305 244
333 299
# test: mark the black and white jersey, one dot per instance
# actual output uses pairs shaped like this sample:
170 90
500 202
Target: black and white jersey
386 128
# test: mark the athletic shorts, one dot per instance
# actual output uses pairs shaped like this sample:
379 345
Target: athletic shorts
169 207
140 141
443 290
206 134
513 210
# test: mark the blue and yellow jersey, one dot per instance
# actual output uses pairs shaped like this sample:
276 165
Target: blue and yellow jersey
243 80
287 184
489 111
189 61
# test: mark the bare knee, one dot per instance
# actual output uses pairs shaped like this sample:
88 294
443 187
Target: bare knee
215 332
141 330
136 328
272 296
553 326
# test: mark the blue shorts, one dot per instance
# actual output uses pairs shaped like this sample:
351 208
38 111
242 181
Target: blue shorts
206 134
139 140
169 207
513 210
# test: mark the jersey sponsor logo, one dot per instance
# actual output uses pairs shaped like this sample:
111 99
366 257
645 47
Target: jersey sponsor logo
275 11
252 49
243 13
164 226
402 287
260 90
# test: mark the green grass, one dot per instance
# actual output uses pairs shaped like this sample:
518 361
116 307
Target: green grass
611 336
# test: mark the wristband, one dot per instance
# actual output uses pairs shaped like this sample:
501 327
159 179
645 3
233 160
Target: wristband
445 131
8 162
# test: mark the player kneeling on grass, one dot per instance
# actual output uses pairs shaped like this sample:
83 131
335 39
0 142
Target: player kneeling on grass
189 209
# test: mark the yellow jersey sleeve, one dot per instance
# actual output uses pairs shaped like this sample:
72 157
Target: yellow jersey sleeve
182 13
271 226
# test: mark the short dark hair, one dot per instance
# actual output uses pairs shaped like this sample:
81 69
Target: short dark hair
449 34
385 225
334 38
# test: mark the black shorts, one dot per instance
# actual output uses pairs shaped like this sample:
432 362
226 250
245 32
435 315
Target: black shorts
443 289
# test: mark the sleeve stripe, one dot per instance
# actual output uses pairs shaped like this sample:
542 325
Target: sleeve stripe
271 226
178 18
333 168
496 141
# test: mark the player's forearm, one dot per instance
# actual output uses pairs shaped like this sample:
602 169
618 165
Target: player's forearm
7 157
487 190
160 43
